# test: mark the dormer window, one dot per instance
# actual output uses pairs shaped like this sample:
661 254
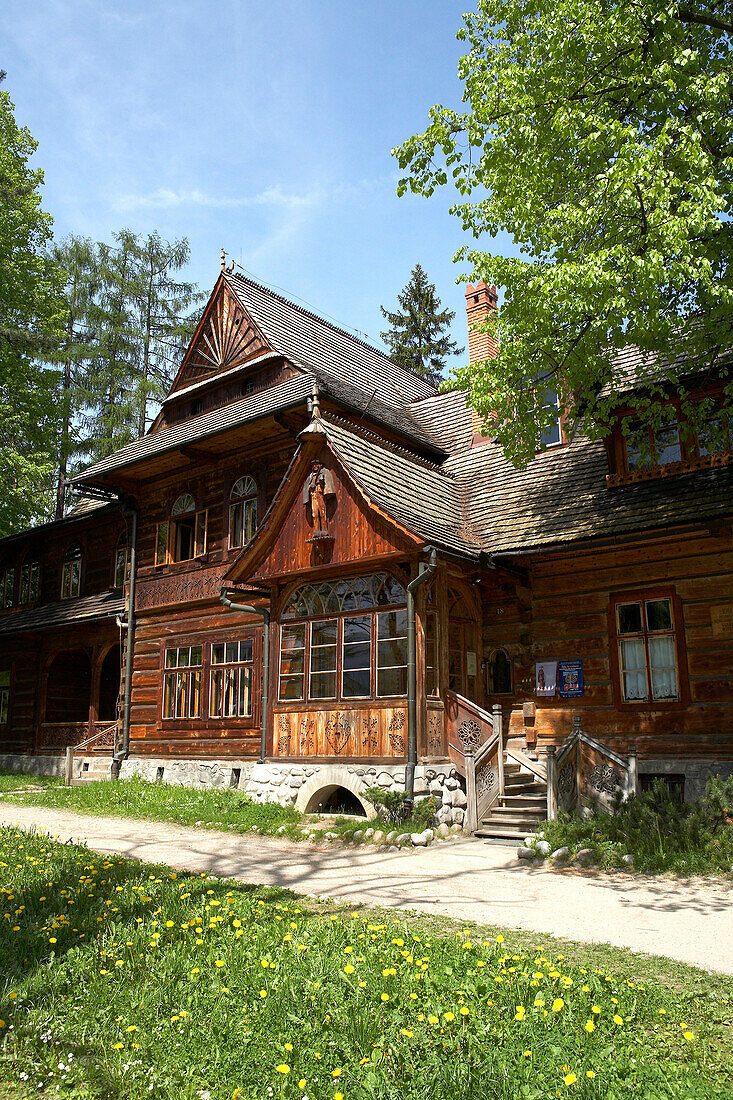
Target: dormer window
197 406
552 436
242 511
71 573
646 446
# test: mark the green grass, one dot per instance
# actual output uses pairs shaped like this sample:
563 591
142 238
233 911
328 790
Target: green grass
662 834
211 809
13 781
125 980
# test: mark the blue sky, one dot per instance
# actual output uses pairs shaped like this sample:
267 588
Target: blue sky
262 127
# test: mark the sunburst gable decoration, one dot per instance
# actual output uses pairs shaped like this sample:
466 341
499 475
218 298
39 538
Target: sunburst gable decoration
227 338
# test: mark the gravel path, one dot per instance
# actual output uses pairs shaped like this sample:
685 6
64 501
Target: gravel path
468 879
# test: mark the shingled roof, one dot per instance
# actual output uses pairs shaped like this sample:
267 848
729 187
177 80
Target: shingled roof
418 494
62 613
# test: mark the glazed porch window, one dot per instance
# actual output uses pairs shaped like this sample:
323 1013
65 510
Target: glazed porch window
7 588
183 537
647 650
71 573
30 582
242 511
4 696
230 679
182 682
347 647
431 653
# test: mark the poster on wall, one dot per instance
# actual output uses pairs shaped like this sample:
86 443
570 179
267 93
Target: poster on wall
570 679
545 679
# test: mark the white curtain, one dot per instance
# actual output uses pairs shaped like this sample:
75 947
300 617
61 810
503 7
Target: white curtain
633 664
664 674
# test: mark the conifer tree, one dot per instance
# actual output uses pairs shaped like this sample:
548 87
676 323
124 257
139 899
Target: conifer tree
416 338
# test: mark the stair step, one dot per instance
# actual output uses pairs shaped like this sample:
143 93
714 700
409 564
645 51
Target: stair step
532 801
501 832
526 820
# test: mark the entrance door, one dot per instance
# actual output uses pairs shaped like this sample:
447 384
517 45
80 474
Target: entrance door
462 646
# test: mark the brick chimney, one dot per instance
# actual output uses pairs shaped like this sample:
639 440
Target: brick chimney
481 302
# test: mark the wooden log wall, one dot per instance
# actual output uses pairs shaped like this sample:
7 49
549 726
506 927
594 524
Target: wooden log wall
563 613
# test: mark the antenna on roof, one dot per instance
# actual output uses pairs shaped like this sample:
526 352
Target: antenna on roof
223 259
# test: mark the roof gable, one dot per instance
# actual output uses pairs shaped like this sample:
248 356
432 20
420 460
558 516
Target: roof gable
226 337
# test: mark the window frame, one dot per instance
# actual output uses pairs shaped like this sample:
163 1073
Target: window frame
166 533
7 587
121 556
242 501
239 667
340 699
490 681
71 556
6 696
643 596
205 720
32 568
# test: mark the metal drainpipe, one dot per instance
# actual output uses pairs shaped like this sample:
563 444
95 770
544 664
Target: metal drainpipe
425 573
264 612
124 752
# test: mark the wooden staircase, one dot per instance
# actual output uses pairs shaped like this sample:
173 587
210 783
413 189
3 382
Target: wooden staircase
520 810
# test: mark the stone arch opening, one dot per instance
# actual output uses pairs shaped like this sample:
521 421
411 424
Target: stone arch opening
333 782
333 799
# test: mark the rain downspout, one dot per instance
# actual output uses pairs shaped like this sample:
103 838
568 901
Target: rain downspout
124 751
424 574
264 613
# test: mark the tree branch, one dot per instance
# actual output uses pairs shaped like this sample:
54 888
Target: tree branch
687 15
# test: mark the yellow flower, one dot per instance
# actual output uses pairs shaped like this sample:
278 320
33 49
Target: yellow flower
236 1094
570 1078
338 1096
218 962
464 1011
520 1013
237 924
558 1004
132 1028
364 1061
689 1035
118 1046
263 993
596 1010
449 1016
618 1020
336 1073
282 1068
499 939
385 996
52 940
590 1026
590 1073
528 1054
413 996
349 969
301 1083
432 1019
288 1046
662 1011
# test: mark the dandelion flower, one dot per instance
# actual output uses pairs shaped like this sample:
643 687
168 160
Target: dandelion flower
338 1096
558 1004
590 1073
282 1068
528 1054
596 1010
590 1026
449 1017
520 1013
349 969
618 1020
464 1011
218 962
301 1083
385 996
570 1078
336 1073
689 1035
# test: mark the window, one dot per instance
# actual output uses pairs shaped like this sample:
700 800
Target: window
242 511
646 446
551 436
647 650
71 573
7 588
714 436
500 673
675 784
4 696
120 575
30 582
348 648
230 679
182 682
431 653
184 536
197 406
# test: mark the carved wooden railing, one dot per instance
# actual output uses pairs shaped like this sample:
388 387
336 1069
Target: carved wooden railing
475 746
585 771
104 737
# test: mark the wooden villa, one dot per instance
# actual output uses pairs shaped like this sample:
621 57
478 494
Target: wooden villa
315 574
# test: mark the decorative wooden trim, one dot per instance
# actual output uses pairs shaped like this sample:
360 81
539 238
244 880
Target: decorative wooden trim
652 473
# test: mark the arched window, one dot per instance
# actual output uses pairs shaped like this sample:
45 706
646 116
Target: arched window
184 536
242 511
30 582
121 561
346 647
500 673
71 573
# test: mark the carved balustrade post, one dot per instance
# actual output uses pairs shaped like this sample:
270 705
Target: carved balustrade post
633 766
471 800
498 729
577 730
551 783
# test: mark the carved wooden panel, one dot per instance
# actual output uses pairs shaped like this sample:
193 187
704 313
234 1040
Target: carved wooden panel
171 588
59 735
436 738
342 732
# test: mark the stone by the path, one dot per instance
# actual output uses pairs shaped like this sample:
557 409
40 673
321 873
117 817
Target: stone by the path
523 852
585 857
560 855
542 847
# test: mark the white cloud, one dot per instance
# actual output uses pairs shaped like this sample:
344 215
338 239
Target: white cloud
165 198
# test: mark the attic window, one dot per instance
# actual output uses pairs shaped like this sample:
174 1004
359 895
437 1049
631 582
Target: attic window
242 511
248 388
184 536
197 406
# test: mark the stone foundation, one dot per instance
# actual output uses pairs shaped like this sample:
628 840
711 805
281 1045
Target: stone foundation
32 765
302 784
695 772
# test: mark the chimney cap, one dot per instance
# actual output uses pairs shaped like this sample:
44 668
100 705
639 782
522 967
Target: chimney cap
481 288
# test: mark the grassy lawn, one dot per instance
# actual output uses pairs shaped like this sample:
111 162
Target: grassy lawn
125 980
211 809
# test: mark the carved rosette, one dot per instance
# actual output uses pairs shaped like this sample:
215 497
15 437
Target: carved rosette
469 734
604 779
396 738
486 781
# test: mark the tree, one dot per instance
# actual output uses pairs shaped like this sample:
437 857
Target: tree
416 339
600 137
31 317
